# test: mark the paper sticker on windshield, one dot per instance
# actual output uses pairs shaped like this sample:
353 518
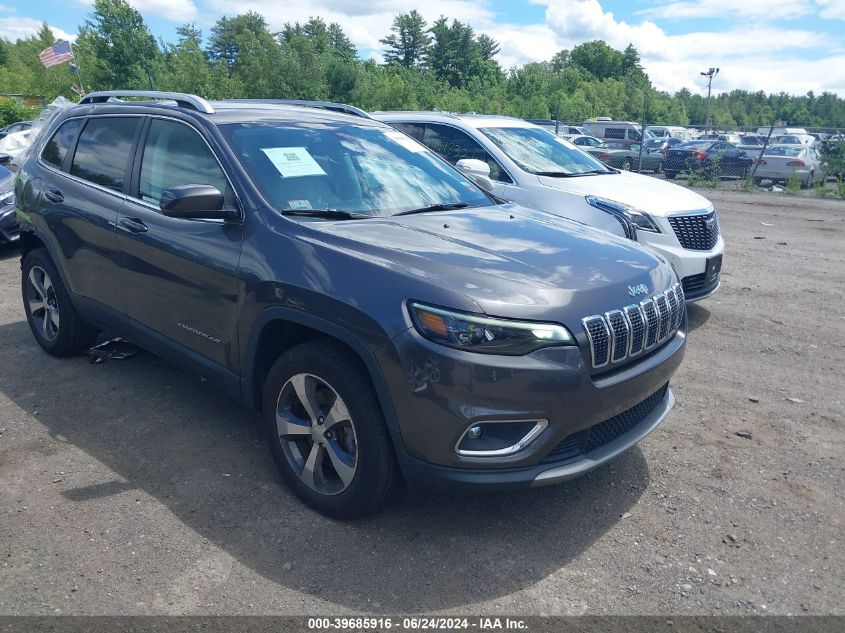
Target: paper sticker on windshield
404 140
298 205
293 161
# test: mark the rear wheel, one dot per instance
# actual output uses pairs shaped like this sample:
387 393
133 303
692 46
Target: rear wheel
54 322
671 175
327 432
627 164
809 182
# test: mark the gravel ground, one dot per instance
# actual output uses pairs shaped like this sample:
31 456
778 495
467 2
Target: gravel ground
133 487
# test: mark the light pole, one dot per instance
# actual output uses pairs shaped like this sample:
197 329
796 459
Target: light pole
712 72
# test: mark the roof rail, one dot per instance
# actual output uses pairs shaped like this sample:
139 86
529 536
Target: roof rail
191 102
324 105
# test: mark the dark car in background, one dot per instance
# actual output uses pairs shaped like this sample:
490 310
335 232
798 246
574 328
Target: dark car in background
626 156
20 126
710 158
386 316
8 220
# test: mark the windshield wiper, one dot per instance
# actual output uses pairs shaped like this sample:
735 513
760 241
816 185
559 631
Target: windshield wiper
566 174
441 206
331 214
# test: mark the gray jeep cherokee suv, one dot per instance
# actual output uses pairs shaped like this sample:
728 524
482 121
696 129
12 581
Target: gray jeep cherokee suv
387 317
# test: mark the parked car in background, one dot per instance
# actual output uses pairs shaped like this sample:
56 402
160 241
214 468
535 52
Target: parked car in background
20 126
8 220
561 129
780 131
669 131
726 137
662 144
607 130
782 162
581 140
386 316
787 139
752 144
617 154
529 165
711 159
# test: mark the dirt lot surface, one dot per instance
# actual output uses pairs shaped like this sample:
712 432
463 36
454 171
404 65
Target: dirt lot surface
133 487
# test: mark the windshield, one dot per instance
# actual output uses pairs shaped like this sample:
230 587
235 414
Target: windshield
536 151
374 171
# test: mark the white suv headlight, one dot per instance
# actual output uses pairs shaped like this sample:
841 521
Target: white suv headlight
640 219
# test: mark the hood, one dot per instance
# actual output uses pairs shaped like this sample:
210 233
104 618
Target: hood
510 261
646 193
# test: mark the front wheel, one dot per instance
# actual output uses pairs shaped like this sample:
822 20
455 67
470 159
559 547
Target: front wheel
54 322
327 432
626 165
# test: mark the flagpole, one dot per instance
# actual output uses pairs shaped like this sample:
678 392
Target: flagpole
78 70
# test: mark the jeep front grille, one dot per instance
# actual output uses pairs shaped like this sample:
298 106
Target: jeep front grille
618 335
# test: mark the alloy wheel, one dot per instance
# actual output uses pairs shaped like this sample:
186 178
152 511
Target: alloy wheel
317 434
43 304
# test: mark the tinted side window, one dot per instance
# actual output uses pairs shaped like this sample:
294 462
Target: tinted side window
453 145
57 147
633 135
174 155
102 153
414 130
614 132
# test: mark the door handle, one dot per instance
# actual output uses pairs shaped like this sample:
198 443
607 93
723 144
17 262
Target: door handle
54 195
133 225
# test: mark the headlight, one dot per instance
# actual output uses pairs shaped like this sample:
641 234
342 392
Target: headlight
624 212
7 197
484 334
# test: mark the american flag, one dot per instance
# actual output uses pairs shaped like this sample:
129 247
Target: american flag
58 53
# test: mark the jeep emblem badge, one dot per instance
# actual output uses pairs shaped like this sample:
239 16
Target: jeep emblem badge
639 289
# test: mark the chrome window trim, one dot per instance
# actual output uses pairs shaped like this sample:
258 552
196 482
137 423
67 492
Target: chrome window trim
125 196
524 442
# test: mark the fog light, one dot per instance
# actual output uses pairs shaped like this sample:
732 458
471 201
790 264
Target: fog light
474 433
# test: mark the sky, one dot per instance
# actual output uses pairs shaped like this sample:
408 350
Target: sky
776 46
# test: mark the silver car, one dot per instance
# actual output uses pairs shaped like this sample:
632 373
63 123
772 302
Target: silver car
781 162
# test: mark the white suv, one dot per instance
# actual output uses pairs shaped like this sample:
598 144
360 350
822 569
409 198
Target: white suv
531 166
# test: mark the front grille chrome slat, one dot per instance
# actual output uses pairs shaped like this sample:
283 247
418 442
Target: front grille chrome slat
619 335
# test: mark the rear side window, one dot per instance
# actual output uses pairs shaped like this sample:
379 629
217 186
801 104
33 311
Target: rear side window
614 132
175 154
57 147
102 154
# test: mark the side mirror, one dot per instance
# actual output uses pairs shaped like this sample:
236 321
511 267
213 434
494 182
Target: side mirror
477 170
199 202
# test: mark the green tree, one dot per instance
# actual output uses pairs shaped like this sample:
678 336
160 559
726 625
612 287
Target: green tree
408 41
121 47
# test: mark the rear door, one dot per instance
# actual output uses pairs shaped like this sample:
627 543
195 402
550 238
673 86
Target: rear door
180 274
87 174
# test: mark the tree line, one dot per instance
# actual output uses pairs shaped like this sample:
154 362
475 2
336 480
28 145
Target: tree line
445 65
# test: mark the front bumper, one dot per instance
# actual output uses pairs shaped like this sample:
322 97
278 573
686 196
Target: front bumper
438 392
9 231
439 477
689 264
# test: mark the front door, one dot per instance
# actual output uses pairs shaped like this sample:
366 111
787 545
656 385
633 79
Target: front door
180 275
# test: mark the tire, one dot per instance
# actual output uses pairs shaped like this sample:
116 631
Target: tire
55 323
627 165
353 469
808 184
670 175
